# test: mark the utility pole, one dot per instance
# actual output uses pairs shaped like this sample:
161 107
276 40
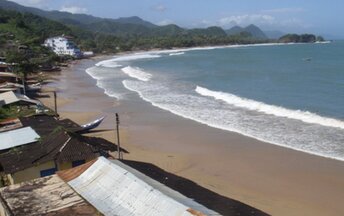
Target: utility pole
55 103
118 142
23 82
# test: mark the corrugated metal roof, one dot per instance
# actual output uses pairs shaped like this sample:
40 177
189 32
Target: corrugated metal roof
7 74
8 98
115 191
13 138
11 97
168 191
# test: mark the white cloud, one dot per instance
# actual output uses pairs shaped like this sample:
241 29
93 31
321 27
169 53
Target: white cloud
284 10
246 19
74 9
165 22
160 8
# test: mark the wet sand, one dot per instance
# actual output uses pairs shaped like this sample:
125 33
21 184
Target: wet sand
274 179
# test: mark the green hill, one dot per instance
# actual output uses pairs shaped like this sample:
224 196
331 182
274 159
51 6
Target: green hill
121 27
253 30
295 38
109 35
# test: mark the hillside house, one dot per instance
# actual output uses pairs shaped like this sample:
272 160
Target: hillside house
63 46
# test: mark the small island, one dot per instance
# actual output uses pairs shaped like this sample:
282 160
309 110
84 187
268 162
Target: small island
303 38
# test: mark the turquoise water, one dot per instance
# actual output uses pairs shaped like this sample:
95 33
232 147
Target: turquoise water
288 95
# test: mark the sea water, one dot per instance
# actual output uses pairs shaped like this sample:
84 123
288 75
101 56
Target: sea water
290 95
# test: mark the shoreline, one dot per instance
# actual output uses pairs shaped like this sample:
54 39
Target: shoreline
237 166
280 144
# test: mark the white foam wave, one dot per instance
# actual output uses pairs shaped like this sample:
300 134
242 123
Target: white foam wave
323 42
311 138
137 73
249 104
109 63
131 57
177 53
102 77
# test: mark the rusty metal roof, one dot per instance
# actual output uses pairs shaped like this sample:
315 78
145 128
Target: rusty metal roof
44 196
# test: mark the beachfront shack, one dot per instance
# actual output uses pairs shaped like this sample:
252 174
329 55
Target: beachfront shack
114 188
43 196
55 148
11 98
98 187
4 67
8 77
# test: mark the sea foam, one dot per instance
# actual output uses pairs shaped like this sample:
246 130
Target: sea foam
131 57
253 105
177 53
137 73
311 138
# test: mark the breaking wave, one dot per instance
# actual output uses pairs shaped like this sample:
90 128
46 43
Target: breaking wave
114 62
137 73
177 53
253 105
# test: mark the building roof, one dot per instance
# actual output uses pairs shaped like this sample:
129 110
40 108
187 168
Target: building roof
44 196
114 190
7 74
17 137
10 124
57 142
11 97
59 145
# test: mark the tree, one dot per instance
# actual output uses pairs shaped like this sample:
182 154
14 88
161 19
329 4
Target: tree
21 64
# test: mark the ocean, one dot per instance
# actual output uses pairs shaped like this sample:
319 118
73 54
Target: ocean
291 95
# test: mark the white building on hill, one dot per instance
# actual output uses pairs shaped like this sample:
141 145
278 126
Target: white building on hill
62 45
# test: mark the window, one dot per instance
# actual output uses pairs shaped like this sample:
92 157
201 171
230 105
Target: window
48 172
77 163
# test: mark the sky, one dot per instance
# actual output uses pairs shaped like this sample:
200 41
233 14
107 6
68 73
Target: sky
290 16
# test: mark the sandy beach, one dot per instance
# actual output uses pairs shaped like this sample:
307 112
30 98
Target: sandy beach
276 180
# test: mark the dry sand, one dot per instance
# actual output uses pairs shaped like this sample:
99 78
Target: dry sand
276 180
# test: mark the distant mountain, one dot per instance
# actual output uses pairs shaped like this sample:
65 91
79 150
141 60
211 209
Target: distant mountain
134 20
210 31
74 19
54 15
235 30
122 27
253 30
274 34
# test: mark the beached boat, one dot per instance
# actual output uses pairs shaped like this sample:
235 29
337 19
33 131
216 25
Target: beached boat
89 126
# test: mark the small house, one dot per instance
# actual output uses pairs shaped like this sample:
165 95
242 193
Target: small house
47 148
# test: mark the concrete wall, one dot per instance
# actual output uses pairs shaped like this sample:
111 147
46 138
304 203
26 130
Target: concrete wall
32 172
64 166
35 172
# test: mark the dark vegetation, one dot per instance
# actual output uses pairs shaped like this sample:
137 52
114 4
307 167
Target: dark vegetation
303 38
